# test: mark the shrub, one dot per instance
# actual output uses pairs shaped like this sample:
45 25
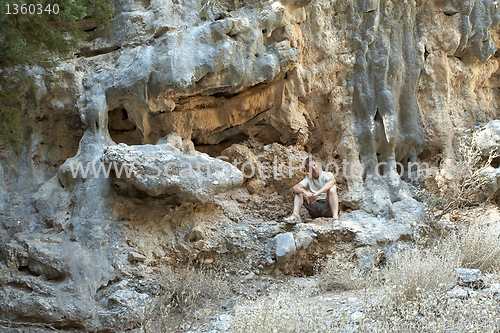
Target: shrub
338 272
416 271
43 40
470 175
185 290
414 296
477 246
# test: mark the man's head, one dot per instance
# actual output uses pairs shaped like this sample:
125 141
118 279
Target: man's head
312 167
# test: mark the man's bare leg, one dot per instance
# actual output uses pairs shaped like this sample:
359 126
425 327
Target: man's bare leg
333 201
298 201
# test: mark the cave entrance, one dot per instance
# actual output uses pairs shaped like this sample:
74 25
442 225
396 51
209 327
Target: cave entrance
214 144
123 129
215 150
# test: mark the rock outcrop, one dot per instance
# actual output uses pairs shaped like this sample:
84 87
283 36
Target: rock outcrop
163 169
367 86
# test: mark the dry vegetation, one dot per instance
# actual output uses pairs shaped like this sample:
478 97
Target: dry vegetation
187 294
471 176
283 312
408 295
341 273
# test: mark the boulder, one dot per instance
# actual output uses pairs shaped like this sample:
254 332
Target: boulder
408 211
125 301
52 268
371 230
304 238
164 169
285 247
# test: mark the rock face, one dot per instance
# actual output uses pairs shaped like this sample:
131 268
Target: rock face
163 169
487 141
52 279
368 85
4 198
488 138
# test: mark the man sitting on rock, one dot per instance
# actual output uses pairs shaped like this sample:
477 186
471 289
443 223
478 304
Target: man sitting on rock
318 193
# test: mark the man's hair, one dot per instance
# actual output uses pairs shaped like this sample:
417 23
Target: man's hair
309 159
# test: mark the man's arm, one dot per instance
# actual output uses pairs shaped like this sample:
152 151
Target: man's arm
300 189
328 185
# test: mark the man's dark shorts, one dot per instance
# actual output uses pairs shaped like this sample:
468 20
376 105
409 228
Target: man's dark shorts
319 208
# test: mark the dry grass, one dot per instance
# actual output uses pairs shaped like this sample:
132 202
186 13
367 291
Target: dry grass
418 271
477 247
413 295
186 292
341 273
285 312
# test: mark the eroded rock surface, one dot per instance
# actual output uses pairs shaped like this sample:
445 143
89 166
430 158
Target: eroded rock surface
163 169
362 82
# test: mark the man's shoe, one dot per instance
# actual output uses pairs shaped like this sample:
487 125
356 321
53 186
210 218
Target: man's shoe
336 223
293 219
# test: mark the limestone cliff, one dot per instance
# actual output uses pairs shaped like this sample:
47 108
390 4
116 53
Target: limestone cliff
365 81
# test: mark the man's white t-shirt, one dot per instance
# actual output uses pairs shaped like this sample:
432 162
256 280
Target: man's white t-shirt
314 185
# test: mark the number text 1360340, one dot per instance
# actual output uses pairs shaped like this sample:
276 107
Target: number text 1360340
32 9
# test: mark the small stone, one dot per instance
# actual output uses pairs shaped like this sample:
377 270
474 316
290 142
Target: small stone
495 288
458 292
172 139
303 239
356 317
468 277
195 235
158 253
352 300
329 310
199 244
250 276
223 323
136 257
